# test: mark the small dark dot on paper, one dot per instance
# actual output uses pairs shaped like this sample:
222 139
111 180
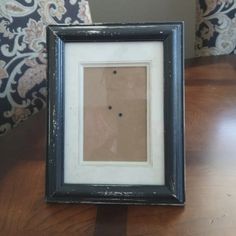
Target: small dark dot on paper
120 114
114 72
109 107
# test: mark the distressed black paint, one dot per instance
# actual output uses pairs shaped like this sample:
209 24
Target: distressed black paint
171 34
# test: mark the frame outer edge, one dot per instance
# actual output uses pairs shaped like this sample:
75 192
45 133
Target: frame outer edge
52 180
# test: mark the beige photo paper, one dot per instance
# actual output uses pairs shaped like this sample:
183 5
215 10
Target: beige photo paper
115 113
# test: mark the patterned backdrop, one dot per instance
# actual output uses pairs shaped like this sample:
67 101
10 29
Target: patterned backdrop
216 27
23 55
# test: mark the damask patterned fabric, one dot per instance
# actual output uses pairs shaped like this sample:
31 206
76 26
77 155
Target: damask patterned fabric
23 55
216 27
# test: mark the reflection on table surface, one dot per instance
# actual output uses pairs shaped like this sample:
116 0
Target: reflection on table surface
210 172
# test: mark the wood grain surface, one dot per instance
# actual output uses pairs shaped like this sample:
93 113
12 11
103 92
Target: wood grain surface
210 172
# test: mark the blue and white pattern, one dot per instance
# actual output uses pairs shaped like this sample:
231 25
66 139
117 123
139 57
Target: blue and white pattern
216 27
23 55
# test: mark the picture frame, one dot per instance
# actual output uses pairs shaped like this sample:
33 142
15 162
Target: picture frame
115 125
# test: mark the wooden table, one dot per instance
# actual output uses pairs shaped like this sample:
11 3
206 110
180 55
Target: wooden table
210 172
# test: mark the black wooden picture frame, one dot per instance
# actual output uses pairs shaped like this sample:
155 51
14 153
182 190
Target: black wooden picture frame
173 191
